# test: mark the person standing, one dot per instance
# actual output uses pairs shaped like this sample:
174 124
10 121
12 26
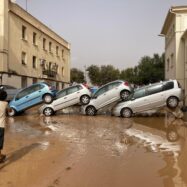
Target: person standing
3 109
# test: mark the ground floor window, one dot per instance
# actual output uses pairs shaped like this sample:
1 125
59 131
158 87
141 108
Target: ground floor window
34 80
23 82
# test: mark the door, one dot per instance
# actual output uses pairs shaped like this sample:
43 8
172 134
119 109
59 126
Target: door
35 94
139 101
73 95
113 93
21 100
155 96
100 97
60 102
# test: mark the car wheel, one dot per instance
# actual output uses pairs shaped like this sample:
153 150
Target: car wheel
124 94
172 135
126 112
172 102
90 111
11 112
48 111
85 99
47 98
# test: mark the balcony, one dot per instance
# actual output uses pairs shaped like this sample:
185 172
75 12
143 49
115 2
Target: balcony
50 73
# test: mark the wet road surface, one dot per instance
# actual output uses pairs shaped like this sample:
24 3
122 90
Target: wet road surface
101 151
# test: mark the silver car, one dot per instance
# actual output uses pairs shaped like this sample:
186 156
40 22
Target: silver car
149 97
106 95
66 98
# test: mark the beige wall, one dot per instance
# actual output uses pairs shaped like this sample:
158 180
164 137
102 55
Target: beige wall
170 53
11 23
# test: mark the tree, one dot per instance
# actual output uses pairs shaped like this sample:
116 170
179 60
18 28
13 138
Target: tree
94 74
128 75
151 70
108 73
102 75
77 75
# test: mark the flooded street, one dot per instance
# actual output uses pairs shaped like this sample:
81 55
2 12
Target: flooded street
81 151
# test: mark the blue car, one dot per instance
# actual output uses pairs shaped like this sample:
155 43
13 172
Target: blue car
30 96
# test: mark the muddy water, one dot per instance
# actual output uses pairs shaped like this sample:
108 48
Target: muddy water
82 151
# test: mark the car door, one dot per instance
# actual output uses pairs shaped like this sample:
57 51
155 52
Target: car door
60 101
139 101
100 97
35 94
113 93
21 100
155 96
73 95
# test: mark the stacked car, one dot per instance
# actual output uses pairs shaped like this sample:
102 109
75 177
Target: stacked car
129 101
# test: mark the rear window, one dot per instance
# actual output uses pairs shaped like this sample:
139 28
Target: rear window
168 86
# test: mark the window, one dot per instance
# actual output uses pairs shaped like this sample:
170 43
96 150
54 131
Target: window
50 65
50 47
168 64
62 93
172 61
72 90
154 89
113 85
62 71
23 58
24 29
23 82
101 91
62 53
57 50
34 38
139 93
34 80
168 86
35 88
44 43
34 62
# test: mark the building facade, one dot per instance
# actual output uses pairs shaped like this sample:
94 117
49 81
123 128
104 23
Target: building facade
30 51
175 32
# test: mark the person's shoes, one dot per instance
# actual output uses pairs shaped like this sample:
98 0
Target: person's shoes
2 158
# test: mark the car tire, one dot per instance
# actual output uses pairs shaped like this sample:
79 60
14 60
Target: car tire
85 99
91 111
172 102
172 135
126 113
47 98
11 112
124 94
48 111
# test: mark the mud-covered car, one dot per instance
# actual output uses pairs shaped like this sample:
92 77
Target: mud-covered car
66 98
31 96
157 95
106 95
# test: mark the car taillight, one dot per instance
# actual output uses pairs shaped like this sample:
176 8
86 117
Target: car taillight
126 83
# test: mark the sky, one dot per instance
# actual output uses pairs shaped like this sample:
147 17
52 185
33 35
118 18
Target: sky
103 32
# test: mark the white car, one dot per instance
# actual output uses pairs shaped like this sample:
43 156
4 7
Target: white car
66 98
150 97
106 95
